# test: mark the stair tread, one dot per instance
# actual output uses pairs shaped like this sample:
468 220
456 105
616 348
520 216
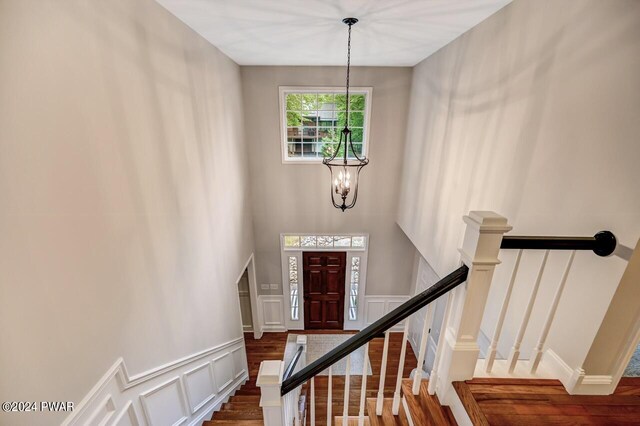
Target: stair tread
437 412
387 418
470 405
351 420
246 398
246 414
424 409
233 422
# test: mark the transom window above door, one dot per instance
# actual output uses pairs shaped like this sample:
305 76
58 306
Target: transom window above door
312 119
339 242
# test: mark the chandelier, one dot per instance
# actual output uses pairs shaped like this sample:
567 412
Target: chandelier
345 166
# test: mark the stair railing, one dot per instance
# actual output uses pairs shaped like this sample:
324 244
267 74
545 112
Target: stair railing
457 349
603 244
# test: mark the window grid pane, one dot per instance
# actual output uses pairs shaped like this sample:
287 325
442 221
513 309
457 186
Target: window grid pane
293 286
291 241
314 121
325 241
357 242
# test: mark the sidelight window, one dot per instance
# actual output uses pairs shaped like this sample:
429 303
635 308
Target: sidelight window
293 287
353 288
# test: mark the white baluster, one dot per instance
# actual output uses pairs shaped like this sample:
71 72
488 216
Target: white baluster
329 400
383 374
363 388
296 409
395 408
345 407
426 329
313 403
491 353
536 355
515 350
433 376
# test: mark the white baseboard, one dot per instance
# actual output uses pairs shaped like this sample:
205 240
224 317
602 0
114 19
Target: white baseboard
575 380
458 410
184 391
557 368
589 384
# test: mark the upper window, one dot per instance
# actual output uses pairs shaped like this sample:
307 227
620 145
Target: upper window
312 119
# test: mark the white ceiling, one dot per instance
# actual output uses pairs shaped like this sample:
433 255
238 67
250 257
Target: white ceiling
310 32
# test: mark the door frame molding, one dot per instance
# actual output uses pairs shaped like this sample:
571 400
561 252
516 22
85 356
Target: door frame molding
250 266
362 252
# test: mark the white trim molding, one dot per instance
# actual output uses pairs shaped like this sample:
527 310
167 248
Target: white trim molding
184 391
358 251
271 313
557 368
282 92
375 307
575 380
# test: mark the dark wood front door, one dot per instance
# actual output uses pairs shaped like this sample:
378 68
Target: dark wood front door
323 290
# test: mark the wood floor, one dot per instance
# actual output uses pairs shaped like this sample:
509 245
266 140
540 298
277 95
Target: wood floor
545 402
271 347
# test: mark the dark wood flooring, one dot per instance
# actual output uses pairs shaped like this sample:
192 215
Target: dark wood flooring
271 347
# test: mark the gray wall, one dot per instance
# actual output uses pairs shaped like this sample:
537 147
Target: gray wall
295 198
125 217
533 114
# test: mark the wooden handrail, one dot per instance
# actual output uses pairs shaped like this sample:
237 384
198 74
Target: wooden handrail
602 244
413 305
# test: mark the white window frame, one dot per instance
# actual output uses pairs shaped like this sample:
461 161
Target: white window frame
362 252
283 90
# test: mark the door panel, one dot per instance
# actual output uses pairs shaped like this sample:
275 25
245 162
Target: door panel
335 282
324 275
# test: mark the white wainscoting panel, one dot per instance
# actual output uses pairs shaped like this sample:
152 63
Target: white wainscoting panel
375 307
165 404
271 312
127 416
223 370
200 386
185 391
239 361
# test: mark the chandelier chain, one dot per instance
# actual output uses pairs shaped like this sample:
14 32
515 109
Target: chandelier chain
348 69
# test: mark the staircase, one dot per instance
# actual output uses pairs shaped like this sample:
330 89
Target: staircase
425 410
476 390
243 408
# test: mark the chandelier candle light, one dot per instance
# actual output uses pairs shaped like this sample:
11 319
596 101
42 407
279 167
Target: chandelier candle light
346 170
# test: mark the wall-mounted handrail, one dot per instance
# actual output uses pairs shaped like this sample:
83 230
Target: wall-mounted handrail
293 363
602 244
421 300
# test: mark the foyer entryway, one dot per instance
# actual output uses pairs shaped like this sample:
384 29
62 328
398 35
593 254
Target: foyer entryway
324 275
322 343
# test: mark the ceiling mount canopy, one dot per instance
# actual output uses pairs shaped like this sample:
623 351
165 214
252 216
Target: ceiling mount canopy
344 164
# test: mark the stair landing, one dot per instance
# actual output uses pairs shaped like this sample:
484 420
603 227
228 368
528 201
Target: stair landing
545 402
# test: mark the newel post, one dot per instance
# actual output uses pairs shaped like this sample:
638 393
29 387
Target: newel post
269 381
479 252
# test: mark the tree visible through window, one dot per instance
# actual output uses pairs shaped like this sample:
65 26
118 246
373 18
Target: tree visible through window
313 120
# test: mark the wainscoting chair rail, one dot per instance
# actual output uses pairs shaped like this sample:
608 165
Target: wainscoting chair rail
602 244
439 289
